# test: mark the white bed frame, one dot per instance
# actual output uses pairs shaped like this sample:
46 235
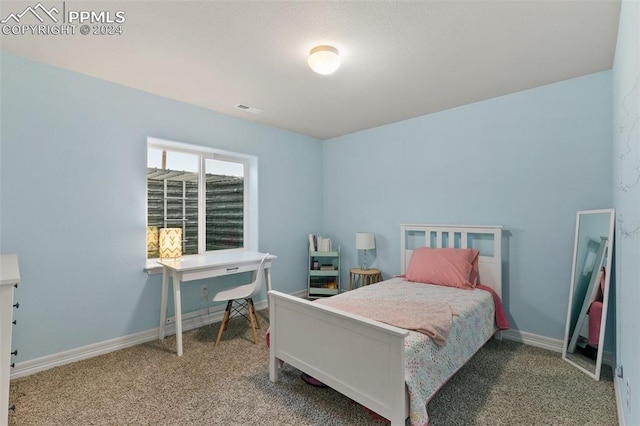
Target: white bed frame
361 358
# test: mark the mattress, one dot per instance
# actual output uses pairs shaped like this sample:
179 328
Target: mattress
427 365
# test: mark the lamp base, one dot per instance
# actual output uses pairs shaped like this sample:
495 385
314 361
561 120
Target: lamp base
365 265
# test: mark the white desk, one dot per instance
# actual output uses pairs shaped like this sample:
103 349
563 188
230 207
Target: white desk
9 277
196 267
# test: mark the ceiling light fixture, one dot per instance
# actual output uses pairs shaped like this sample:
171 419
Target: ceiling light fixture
324 59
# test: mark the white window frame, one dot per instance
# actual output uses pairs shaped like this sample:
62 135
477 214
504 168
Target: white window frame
250 201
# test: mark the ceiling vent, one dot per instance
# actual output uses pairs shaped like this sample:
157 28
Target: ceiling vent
248 108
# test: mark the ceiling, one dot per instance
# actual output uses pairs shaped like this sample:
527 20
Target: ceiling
400 59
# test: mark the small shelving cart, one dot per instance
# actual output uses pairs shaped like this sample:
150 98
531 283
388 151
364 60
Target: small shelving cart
323 273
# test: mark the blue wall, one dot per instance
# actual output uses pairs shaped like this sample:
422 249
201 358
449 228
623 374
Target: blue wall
73 195
527 161
626 190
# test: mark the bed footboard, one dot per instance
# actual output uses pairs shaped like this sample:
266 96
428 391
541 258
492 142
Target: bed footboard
358 357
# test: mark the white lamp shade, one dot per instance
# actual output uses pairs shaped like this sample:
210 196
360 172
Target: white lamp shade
170 242
365 241
324 59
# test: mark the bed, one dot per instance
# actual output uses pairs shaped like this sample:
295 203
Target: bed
377 364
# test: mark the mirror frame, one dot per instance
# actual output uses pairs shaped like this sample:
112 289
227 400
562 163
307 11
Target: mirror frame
605 298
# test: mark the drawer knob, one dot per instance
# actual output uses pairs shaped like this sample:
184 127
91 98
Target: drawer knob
14 322
16 305
16 285
15 352
12 365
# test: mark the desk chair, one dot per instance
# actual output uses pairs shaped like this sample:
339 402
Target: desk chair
242 296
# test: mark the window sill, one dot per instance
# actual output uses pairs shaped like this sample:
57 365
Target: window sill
153 267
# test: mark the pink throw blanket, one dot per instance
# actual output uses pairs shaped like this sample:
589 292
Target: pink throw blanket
434 320
502 322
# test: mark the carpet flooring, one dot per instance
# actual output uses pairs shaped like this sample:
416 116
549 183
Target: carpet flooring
505 383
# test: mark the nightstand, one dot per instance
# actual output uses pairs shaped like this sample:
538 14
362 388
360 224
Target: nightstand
359 277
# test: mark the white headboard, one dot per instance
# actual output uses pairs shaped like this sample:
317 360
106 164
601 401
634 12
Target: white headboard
486 239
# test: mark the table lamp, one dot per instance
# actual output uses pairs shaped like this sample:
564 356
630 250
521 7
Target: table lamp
365 241
170 243
152 242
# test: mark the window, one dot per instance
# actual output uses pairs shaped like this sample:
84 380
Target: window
203 192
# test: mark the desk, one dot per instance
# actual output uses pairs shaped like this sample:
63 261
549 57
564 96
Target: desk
360 277
196 267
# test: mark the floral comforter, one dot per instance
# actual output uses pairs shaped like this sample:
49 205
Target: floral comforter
428 366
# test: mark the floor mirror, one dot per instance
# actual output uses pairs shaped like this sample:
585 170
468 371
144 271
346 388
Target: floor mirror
589 291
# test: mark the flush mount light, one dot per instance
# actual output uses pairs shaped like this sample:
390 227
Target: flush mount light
324 59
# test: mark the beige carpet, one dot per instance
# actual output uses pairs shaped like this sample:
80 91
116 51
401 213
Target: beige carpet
506 383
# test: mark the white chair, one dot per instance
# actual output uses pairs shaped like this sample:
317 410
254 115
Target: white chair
242 296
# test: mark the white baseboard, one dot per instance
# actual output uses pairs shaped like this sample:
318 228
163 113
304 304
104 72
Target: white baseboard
208 316
609 359
46 362
618 402
190 321
549 343
533 340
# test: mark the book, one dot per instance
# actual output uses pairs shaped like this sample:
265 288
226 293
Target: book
324 244
319 243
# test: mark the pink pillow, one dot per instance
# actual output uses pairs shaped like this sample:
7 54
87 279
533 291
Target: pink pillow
473 278
443 266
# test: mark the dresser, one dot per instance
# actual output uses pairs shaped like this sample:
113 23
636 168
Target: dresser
9 279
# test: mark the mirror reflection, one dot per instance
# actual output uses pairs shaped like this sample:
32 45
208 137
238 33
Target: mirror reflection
588 298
